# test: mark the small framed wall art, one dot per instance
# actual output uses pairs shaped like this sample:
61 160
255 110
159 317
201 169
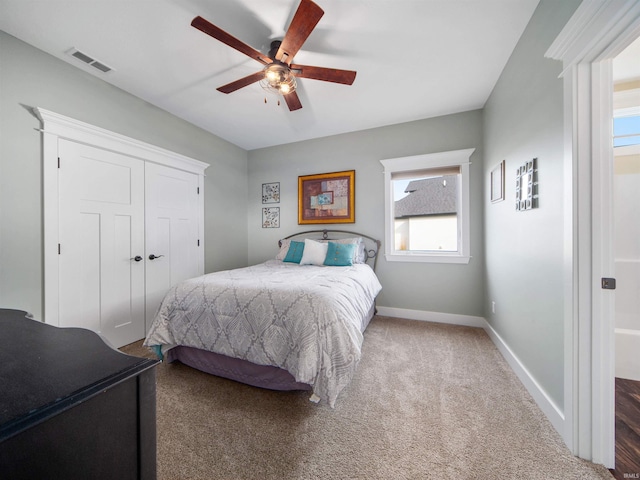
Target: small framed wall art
271 192
527 186
271 217
497 183
327 198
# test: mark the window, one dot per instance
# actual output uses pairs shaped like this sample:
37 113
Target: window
427 207
626 131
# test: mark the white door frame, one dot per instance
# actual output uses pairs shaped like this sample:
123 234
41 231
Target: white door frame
597 32
55 126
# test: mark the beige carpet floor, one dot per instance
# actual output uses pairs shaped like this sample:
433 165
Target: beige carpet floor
428 401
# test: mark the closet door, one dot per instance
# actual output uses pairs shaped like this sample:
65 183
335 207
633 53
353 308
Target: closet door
172 231
101 233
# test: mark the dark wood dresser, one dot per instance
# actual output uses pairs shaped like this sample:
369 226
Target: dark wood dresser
72 407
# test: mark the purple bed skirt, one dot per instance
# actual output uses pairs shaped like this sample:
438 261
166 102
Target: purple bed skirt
263 376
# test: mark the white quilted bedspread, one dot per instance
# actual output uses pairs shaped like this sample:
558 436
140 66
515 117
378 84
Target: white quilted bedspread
304 319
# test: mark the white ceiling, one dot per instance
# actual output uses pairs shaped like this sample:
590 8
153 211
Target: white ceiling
415 58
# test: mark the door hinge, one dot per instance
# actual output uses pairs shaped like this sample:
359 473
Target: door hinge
58 162
58 249
609 283
198 242
198 189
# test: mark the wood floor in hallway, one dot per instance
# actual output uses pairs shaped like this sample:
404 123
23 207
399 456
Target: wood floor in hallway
627 430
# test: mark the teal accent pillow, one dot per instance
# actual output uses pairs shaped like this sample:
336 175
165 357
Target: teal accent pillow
339 254
294 255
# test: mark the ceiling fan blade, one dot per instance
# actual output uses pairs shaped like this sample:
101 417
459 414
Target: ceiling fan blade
219 34
243 82
334 75
293 102
304 21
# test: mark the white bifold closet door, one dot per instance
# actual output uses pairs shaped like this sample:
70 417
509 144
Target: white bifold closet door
172 225
101 242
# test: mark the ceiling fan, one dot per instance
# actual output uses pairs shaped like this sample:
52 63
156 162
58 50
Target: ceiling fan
279 73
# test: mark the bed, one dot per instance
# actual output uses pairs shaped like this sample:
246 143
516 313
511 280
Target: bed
294 322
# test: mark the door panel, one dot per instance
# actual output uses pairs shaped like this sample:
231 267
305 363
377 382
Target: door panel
101 222
158 243
184 262
122 265
172 230
85 306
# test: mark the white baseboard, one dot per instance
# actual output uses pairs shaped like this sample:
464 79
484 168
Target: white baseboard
548 407
435 317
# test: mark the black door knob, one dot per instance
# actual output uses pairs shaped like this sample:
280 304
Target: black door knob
152 256
137 258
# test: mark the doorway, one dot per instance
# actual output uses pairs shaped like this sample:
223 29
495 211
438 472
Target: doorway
596 34
626 253
626 198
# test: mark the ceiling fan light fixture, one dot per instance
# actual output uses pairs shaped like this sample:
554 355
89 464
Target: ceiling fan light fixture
278 74
278 79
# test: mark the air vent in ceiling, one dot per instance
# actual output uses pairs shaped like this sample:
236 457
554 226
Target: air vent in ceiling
83 57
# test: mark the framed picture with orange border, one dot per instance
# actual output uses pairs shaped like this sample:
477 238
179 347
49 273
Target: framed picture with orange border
327 198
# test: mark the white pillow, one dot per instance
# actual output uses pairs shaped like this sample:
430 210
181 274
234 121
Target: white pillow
283 249
359 255
314 252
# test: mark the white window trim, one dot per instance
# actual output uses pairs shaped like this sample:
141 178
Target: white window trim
420 162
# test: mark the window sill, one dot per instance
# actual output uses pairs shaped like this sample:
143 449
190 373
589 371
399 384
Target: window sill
422 258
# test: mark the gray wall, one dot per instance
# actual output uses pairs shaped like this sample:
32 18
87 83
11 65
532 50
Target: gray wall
523 119
447 288
31 78
523 251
